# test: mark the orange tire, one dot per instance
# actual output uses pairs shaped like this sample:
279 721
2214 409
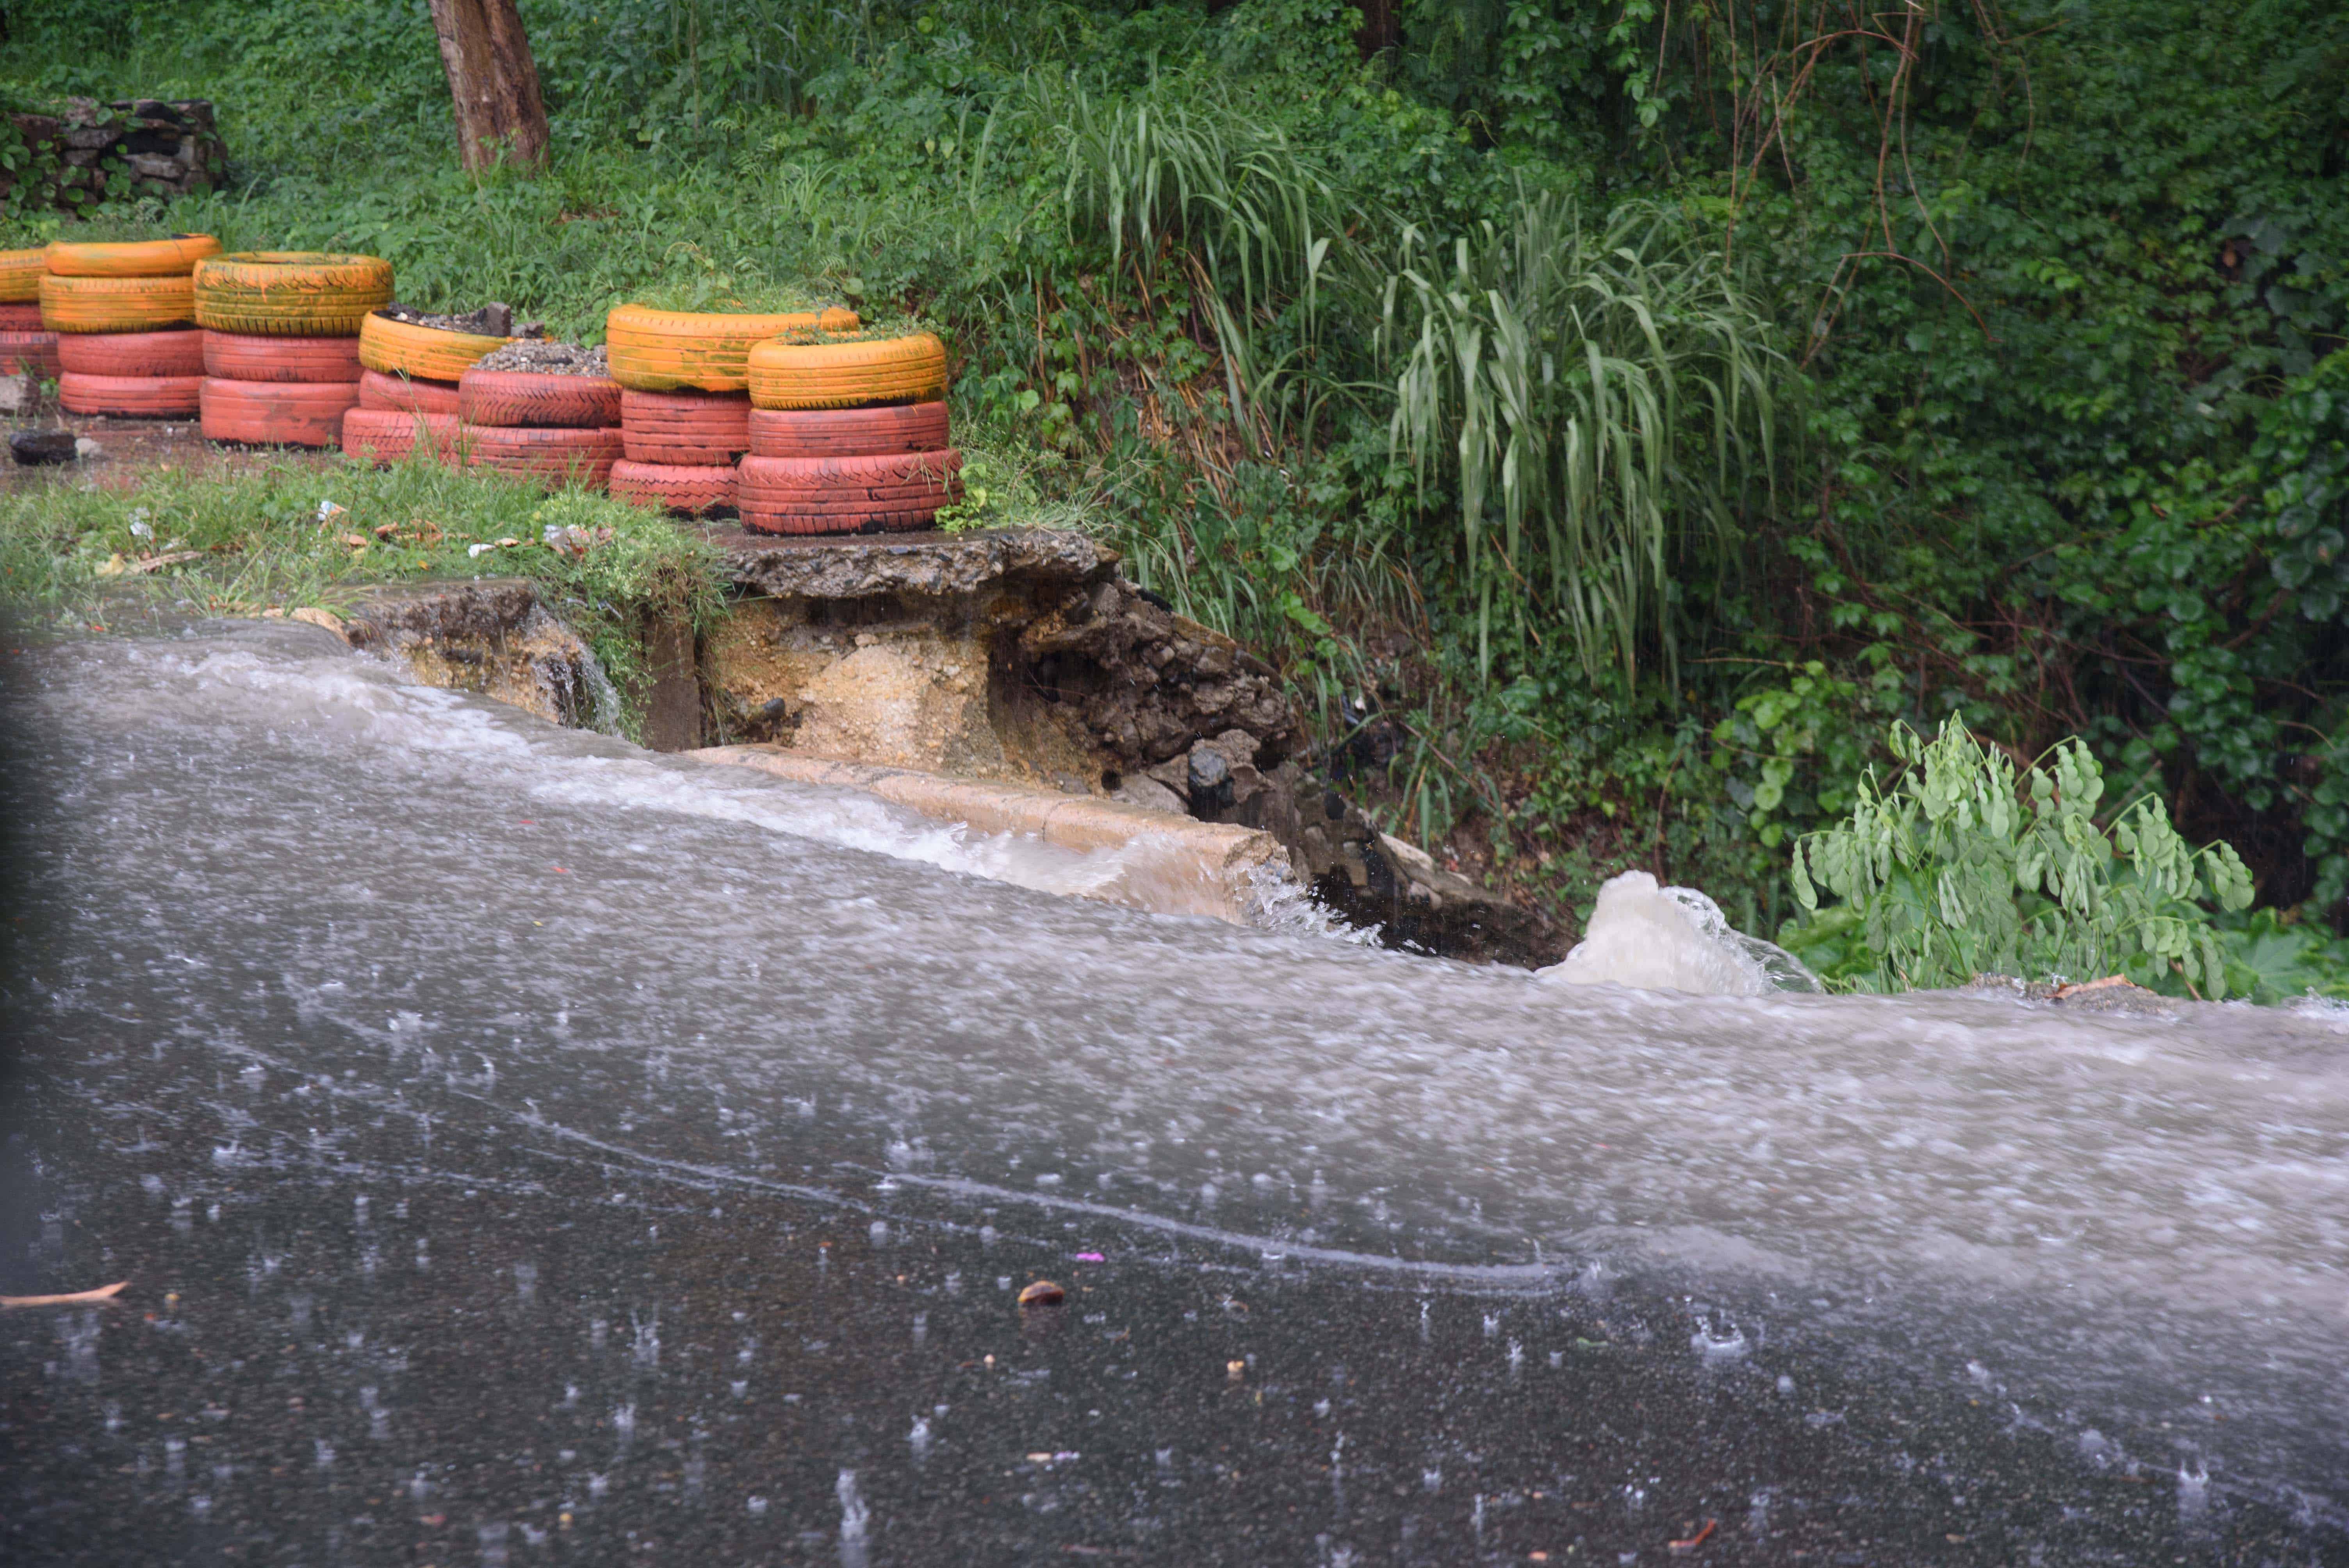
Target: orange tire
848 374
151 397
290 294
848 432
174 258
427 353
847 495
29 354
388 436
257 357
179 352
689 489
685 430
684 350
402 395
277 412
537 397
21 273
21 317
115 305
555 453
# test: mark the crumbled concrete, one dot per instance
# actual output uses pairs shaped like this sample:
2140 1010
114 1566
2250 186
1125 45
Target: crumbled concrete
492 637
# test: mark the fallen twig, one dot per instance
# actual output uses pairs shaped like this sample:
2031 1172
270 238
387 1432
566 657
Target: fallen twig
73 1298
1698 1539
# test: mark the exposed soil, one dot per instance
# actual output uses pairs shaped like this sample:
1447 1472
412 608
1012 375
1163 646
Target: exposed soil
547 358
128 448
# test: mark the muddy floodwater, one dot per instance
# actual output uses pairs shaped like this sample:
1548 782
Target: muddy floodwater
523 1149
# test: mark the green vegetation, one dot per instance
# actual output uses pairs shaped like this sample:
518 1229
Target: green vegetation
1610 416
1948 876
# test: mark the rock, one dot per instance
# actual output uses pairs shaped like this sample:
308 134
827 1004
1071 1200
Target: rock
1150 795
323 618
17 394
1373 878
492 637
86 448
1208 782
34 449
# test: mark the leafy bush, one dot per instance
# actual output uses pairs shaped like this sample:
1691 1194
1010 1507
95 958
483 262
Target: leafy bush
1947 876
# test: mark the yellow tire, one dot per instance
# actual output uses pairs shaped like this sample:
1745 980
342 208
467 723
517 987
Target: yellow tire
114 304
683 350
21 273
848 374
172 258
424 353
291 294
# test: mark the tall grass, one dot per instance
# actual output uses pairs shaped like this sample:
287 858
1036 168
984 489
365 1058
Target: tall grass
1180 167
1603 398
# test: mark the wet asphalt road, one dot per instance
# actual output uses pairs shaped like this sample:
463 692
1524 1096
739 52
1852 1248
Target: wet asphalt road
501 1359
381 1310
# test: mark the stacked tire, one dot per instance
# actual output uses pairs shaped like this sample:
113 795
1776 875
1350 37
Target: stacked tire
540 425
281 336
26 348
408 397
684 410
680 447
122 317
847 437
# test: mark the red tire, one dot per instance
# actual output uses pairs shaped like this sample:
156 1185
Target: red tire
542 452
534 398
391 435
685 430
29 354
890 492
402 395
253 357
151 396
179 353
848 432
277 412
690 489
20 316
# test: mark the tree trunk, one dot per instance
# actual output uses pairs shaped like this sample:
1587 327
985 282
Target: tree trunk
1381 29
492 82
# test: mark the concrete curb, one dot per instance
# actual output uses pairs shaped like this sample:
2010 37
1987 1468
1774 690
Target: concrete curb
1166 864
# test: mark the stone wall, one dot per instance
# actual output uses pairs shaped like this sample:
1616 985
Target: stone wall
90 151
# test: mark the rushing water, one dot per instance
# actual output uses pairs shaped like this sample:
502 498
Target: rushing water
296 869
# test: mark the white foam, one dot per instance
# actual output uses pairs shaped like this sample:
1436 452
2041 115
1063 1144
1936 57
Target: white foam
1654 938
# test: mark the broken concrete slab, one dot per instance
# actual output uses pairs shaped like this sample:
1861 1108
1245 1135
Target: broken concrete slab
1165 864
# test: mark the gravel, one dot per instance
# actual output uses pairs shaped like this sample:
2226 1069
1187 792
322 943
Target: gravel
547 358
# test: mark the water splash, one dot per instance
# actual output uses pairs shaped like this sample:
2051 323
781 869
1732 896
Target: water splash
1654 938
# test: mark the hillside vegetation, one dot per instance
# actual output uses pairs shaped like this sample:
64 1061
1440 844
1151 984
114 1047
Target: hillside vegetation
1612 416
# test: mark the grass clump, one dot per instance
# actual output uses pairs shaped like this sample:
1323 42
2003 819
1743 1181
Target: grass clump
290 534
725 295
